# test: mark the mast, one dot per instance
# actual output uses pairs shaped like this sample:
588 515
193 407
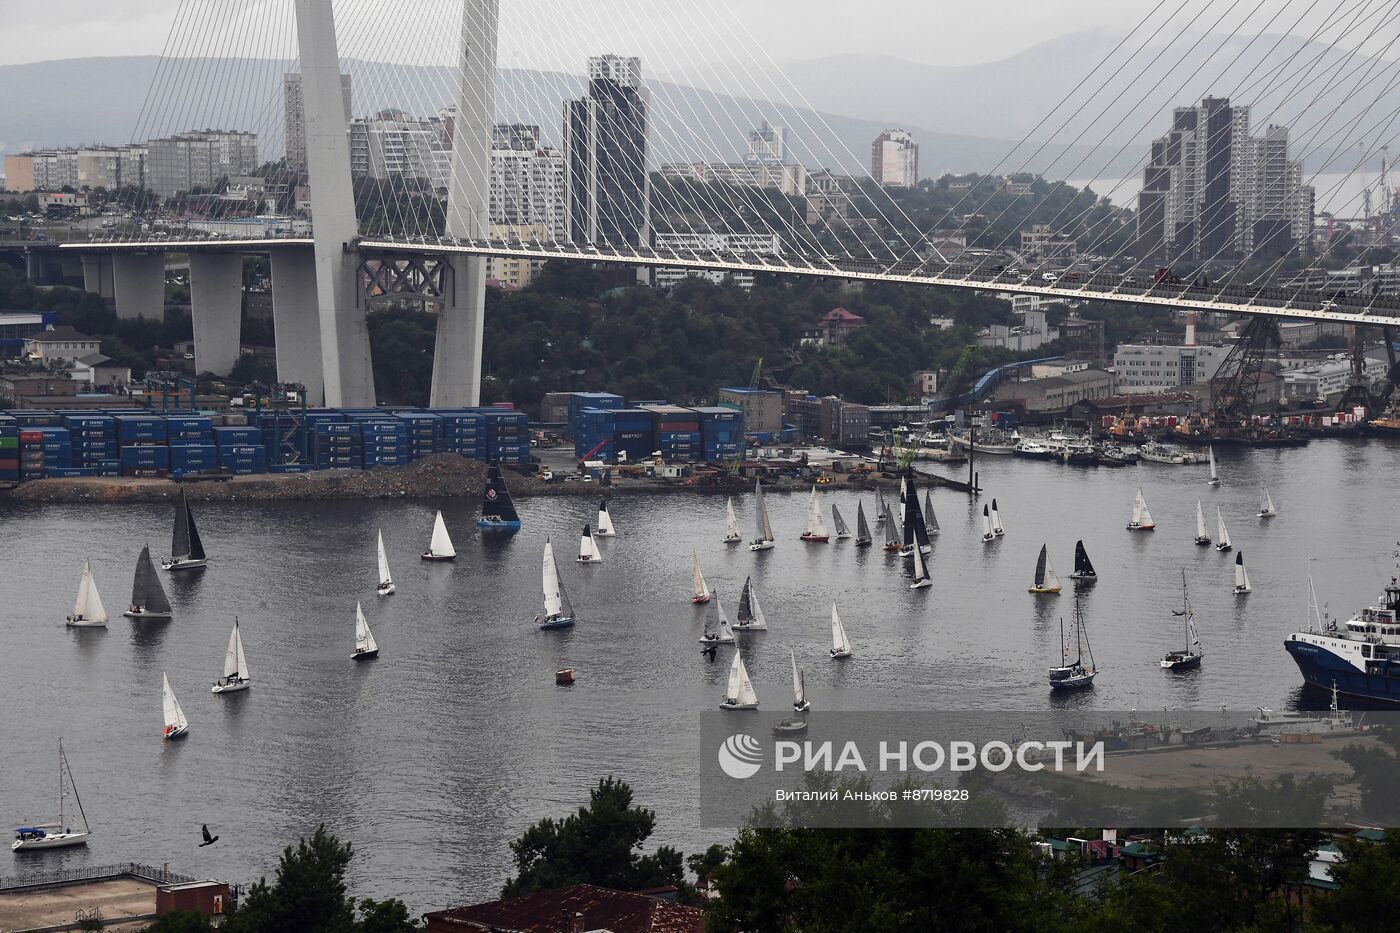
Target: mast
196 545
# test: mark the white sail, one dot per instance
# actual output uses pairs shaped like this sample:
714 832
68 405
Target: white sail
555 601
605 525
816 527
384 577
1200 520
702 590
838 523
1266 502
235 662
364 638
920 566
740 691
1214 476
1138 507
759 621
1241 577
839 642
1052 582
986 523
88 606
1222 537
1193 637
441 545
997 529
765 527
174 716
726 628
731 521
1145 518
799 694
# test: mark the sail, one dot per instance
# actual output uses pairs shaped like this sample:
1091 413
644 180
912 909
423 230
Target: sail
740 688
702 591
862 529
816 527
1040 563
986 522
930 520
180 537
1222 537
556 601
1139 508
196 551
799 695
1193 638
920 566
750 612
1210 451
914 530
894 535
364 638
1082 566
88 605
996 518
839 641
1200 520
496 503
146 590
383 561
174 716
235 661
881 510
1052 582
441 545
605 525
839 523
1144 516
725 627
1241 578
765 527
588 548
731 521
1266 502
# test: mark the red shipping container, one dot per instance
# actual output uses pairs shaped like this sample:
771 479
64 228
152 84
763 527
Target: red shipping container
31 437
9 464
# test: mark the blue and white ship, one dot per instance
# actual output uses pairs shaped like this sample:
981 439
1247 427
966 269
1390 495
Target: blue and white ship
1362 658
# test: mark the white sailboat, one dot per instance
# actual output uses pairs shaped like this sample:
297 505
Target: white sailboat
558 611
1222 537
997 530
1045 579
732 535
930 520
1141 519
365 645
740 693
1241 577
1266 503
440 548
236 675
701 592
988 536
840 644
88 611
750 617
176 725
799 687
764 541
386 582
815 532
718 630
588 552
839 523
1202 538
605 525
59 834
922 580
1214 476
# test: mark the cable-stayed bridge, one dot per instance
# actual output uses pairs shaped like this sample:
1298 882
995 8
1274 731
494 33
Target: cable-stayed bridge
413 201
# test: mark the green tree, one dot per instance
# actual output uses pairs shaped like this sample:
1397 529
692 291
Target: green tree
1368 888
181 921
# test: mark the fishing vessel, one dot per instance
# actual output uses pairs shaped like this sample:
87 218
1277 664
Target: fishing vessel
1072 676
1241 577
863 537
992 442
176 725
815 532
1154 452
700 594
840 644
1278 724
718 630
186 547
1214 475
1141 519
58 834
440 547
922 580
385 586
236 676
1033 448
1266 503
1045 579
764 541
750 616
1361 658
1083 568
894 535
605 525
588 552
1202 539
740 693
839 524
997 529
800 703
930 520
732 535
1222 537
497 507
1188 658
88 611
988 535
558 612
365 645
148 599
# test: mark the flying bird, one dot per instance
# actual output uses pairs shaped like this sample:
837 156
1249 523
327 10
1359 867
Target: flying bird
208 839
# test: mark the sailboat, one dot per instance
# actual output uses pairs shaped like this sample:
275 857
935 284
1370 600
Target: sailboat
186 548
881 509
894 535
701 592
914 531
440 547
1222 537
997 530
148 599
750 617
365 645
386 582
1266 503
56 835
1188 658
987 534
87 609
236 676
1141 519
799 687
718 630
1241 577
815 532
732 535
1073 676
497 508
1214 476
930 520
1202 539
839 523
922 580
558 612
605 525
863 538
176 725
588 552
740 693
840 644
1083 569
764 541
1045 579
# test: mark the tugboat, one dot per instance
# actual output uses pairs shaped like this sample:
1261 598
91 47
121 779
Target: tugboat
1361 657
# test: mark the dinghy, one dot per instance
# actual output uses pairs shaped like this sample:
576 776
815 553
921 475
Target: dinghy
186 548
176 725
365 645
386 581
701 593
1141 519
799 687
1214 476
740 693
1202 539
1188 658
1222 537
88 611
1266 503
863 538
558 612
764 541
718 630
987 534
148 599
815 532
922 580
59 834
440 547
1241 577
839 523
930 520
997 530
840 644
588 552
732 535
894 535
236 676
1045 579
605 525
1076 675
750 617
497 507
1083 569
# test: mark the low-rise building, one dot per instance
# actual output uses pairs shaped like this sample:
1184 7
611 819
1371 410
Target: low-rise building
837 325
19 385
1328 378
578 908
62 345
1057 393
762 408
764 244
16 326
1040 242
96 371
843 424
1163 367
1033 332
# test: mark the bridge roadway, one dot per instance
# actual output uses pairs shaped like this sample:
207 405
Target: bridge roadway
1235 299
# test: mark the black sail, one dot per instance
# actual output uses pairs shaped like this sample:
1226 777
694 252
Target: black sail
1040 568
196 545
745 616
180 538
1082 567
496 503
862 529
914 528
146 590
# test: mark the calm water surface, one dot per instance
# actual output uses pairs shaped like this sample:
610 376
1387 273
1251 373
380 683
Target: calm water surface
432 758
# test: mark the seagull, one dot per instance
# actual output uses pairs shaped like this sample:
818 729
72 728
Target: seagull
208 839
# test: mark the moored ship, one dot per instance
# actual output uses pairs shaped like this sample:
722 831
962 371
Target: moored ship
1361 658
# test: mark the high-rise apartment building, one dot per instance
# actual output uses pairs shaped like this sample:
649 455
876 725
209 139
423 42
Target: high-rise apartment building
89 167
294 117
894 160
768 145
527 182
393 145
199 159
605 149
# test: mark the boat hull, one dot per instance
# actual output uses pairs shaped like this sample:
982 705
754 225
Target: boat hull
708 642
750 627
150 616
173 564
1203 541
590 560
176 733
838 655
437 558
1241 590
789 726
1076 682
761 546
71 622
1181 664
1132 527
51 841
732 707
699 600
1044 590
816 539
236 687
550 624
365 655
1222 548
735 539
864 542
389 590
1085 577
1321 669
921 585
488 525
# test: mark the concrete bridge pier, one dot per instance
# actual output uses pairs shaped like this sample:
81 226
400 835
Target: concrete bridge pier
97 275
457 352
296 320
216 307
138 285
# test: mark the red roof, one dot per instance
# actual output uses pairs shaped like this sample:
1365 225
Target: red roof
554 912
842 316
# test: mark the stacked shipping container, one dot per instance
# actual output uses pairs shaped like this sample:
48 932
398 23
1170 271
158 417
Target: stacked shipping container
677 433
721 433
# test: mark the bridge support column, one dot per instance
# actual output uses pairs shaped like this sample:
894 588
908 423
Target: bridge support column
216 307
457 352
296 321
138 284
97 274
